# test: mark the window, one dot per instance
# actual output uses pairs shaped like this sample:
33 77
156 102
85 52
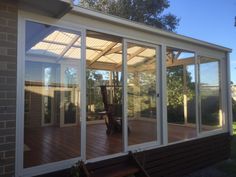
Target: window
104 94
52 94
210 94
142 94
181 95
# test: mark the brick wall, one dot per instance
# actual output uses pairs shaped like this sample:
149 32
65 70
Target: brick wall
8 57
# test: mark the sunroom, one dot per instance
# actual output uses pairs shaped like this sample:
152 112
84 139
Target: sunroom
93 87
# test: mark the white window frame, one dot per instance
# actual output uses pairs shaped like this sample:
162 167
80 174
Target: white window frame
222 98
196 96
23 17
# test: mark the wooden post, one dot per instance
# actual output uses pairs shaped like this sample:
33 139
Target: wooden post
137 99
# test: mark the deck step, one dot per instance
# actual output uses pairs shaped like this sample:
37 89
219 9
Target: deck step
116 167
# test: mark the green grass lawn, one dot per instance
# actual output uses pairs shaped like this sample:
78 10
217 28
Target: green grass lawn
229 166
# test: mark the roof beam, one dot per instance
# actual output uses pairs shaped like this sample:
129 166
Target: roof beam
72 42
148 62
100 54
186 61
177 55
119 48
132 56
114 50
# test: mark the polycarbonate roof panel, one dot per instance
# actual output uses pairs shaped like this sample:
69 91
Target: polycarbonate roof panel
62 43
133 49
48 49
112 58
60 37
149 52
58 44
90 54
97 43
136 60
73 52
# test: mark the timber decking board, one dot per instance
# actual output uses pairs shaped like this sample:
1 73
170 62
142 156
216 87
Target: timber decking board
176 160
51 144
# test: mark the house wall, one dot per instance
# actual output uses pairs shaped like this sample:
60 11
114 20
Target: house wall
186 157
8 59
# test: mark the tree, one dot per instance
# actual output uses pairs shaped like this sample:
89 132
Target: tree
176 92
149 12
175 85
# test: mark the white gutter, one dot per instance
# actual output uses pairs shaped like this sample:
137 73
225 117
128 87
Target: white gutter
124 22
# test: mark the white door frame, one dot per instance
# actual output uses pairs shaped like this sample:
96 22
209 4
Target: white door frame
157 142
20 171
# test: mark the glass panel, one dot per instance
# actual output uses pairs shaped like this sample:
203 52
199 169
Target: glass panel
47 101
211 114
52 95
181 104
141 87
70 98
179 54
104 94
191 99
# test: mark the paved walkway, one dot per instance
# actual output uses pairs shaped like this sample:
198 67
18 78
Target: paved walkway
208 172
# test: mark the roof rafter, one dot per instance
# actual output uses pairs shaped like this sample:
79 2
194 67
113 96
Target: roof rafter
119 48
176 56
100 54
114 50
148 62
140 50
65 50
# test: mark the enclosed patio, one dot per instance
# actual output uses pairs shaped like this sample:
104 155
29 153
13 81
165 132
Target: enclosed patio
94 87
53 95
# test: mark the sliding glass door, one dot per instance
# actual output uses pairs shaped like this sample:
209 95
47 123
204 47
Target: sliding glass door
70 96
52 103
54 73
142 94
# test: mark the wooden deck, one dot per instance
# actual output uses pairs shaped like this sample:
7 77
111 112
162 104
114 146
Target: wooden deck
51 144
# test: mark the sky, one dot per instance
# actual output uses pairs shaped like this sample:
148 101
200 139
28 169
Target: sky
208 20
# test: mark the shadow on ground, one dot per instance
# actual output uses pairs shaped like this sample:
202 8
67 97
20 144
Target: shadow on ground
208 172
226 168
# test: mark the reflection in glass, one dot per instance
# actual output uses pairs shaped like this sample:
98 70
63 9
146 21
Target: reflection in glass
211 117
181 104
141 85
47 101
52 94
104 94
190 96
